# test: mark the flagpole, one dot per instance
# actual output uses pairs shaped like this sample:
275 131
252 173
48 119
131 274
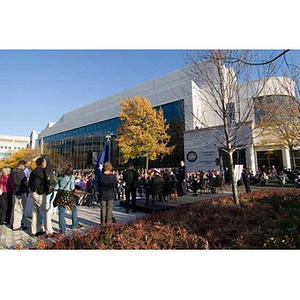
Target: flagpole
108 137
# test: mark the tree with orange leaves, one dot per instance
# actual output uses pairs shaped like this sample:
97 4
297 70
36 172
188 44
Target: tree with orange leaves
143 132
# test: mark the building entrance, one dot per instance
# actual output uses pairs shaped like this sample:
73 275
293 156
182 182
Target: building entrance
269 159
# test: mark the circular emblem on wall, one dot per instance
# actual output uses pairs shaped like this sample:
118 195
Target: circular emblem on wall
192 156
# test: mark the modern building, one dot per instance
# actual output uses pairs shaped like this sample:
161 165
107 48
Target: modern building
34 140
79 135
11 143
203 149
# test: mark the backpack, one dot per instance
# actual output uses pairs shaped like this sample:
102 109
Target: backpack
50 184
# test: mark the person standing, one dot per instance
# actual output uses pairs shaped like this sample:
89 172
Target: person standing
5 193
274 174
27 204
181 177
246 179
19 183
65 199
130 177
41 201
107 183
27 169
297 182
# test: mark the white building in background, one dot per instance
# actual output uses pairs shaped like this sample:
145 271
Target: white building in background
34 140
79 135
11 143
201 145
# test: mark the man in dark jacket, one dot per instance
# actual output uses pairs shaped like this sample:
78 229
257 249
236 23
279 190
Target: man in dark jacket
38 184
181 177
130 177
246 179
20 186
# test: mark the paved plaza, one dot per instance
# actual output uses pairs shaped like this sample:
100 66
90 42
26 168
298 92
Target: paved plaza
90 216
87 216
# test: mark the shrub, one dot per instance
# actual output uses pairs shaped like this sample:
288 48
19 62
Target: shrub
264 220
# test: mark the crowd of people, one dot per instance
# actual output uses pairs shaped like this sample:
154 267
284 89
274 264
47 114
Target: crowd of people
204 180
264 175
25 192
34 193
29 192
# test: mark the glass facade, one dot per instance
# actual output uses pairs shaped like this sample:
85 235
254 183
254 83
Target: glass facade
81 146
104 127
269 159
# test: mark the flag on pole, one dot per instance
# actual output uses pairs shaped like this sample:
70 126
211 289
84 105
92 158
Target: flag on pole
102 158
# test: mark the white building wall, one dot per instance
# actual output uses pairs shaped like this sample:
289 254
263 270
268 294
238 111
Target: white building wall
206 98
202 143
12 143
205 143
33 139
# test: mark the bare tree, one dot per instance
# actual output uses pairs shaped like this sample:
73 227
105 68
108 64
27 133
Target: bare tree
225 93
285 122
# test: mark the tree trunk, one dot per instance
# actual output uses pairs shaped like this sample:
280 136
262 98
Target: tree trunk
147 162
233 180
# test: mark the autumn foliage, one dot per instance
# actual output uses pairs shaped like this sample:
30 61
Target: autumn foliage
264 220
26 154
143 132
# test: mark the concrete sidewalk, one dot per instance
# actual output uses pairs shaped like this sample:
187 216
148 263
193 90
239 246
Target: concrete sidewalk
87 216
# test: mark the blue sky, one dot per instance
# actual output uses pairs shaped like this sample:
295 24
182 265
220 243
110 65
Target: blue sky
38 86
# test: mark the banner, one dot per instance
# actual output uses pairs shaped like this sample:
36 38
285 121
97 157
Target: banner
238 169
102 158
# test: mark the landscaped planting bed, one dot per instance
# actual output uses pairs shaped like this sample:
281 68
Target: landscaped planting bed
264 220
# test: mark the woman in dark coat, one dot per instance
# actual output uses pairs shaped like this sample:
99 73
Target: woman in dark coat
107 183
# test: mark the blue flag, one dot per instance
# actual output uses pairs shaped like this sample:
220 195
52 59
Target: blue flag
102 158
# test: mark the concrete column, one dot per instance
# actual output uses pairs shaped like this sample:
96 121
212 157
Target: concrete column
286 158
250 156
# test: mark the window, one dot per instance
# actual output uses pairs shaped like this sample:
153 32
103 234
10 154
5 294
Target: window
261 104
231 112
297 158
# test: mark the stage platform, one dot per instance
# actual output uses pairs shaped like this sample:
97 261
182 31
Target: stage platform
162 206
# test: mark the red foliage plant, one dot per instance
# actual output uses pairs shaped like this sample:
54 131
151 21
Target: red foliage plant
210 224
